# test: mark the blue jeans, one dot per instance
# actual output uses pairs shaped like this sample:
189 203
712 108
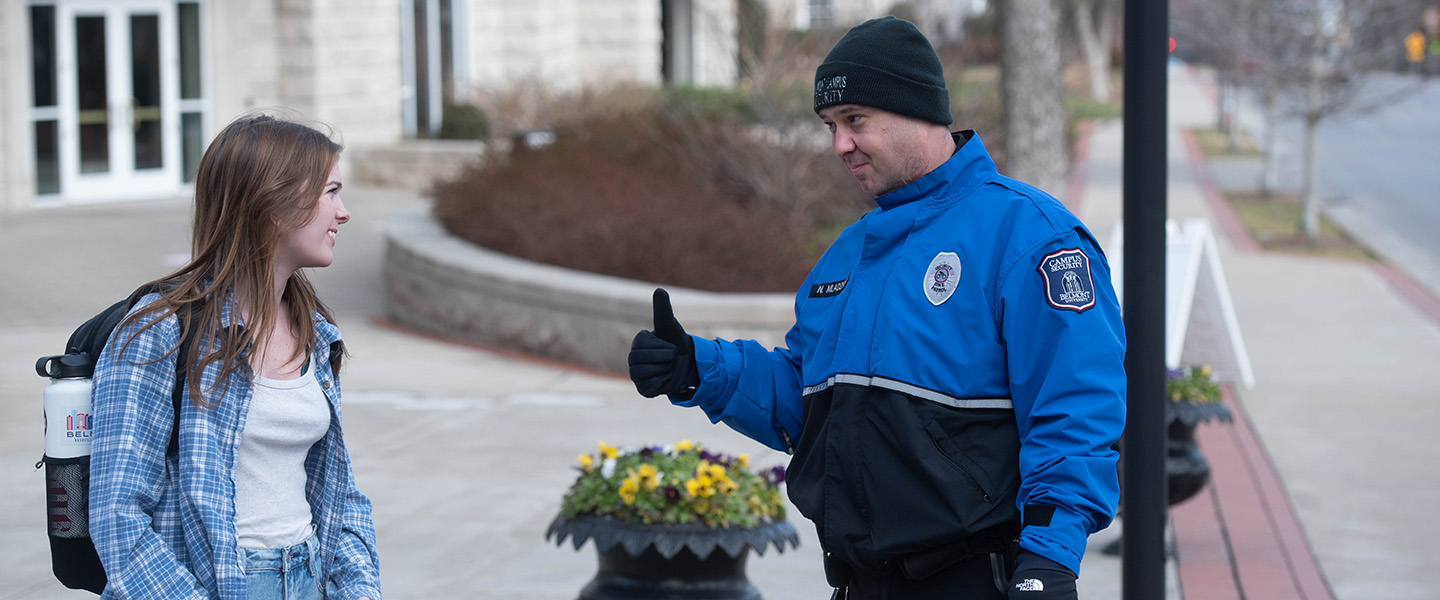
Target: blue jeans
283 573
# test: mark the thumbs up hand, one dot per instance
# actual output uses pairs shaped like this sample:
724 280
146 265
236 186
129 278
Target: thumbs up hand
663 361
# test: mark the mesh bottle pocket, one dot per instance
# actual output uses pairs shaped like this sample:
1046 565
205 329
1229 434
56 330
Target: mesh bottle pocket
67 496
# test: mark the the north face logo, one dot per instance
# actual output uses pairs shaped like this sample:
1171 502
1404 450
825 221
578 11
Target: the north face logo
1030 585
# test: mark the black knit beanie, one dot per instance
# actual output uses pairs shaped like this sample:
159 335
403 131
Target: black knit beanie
885 63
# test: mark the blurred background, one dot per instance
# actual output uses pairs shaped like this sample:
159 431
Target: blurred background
672 142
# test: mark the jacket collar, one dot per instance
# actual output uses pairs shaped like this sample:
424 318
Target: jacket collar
968 168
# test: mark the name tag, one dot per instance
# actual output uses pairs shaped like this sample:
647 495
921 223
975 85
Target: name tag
826 290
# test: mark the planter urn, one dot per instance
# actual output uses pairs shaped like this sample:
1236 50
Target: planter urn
1186 469
670 562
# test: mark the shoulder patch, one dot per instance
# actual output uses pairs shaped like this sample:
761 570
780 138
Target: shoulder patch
1068 284
941 277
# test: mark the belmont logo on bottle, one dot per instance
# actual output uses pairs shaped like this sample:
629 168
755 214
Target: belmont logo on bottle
77 425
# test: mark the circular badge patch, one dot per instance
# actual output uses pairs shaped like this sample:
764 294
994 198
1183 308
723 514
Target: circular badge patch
942 277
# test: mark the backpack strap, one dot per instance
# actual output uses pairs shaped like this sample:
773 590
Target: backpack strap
177 395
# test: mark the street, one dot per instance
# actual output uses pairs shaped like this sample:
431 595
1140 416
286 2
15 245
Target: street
1377 171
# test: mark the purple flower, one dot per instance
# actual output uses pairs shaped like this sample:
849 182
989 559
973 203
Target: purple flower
672 494
646 453
776 476
1174 373
719 459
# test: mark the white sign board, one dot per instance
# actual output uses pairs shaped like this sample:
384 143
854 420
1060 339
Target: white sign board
1200 323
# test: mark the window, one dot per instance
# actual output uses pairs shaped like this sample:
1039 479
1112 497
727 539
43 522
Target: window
434 54
192 121
44 112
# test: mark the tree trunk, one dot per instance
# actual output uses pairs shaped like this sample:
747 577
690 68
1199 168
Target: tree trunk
1032 89
1220 80
1095 44
1310 214
1270 181
1232 131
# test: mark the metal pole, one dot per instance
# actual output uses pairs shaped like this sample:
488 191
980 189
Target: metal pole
1145 161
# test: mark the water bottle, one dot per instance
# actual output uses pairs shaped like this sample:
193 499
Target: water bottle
67 404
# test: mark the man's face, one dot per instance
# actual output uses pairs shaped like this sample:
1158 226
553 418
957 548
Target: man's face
877 146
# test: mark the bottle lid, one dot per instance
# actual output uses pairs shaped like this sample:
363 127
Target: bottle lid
64 366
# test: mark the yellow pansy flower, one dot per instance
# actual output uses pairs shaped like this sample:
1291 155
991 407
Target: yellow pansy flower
628 489
743 460
586 462
684 445
649 477
608 451
715 471
700 487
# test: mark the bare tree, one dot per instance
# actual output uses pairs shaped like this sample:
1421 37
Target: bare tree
1032 89
1343 41
1219 33
1303 58
1096 22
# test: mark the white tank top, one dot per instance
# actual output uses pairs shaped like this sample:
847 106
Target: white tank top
286 418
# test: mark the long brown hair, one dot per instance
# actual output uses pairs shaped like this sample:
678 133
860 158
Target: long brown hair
260 178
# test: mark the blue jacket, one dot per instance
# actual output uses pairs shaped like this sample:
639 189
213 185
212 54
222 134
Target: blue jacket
164 525
957 361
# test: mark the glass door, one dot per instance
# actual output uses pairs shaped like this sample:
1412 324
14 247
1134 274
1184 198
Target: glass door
118 121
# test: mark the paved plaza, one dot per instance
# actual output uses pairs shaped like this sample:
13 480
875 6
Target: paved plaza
466 450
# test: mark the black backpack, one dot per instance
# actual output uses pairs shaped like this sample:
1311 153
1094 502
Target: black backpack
67 480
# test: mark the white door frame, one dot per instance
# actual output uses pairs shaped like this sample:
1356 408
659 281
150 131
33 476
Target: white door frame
122 181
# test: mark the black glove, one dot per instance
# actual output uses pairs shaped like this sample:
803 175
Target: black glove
1039 578
663 361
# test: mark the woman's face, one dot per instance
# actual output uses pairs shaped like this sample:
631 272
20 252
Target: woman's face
313 244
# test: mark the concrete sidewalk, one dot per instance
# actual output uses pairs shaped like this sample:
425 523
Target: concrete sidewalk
1342 407
466 451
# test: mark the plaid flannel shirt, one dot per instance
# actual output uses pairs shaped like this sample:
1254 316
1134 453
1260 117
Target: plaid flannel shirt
164 524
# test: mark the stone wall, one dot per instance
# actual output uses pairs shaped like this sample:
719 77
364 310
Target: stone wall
413 164
17 157
567 45
334 61
439 283
239 81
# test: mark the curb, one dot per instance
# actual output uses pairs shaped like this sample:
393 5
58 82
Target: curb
1229 222
445 286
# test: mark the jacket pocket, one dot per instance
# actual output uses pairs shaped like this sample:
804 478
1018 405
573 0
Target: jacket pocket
962 464
923 488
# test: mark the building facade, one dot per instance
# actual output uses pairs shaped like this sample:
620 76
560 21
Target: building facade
109 100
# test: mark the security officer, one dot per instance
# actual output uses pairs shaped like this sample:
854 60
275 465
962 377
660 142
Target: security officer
954 380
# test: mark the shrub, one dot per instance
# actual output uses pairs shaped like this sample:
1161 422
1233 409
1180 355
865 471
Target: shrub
690 200
464 122
722 103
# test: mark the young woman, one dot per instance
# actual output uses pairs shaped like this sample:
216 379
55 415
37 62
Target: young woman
257 499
